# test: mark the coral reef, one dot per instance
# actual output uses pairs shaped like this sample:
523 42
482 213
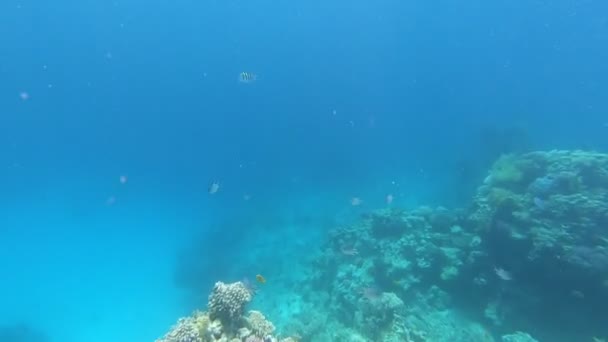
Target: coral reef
529 252
227 302
533 239
224 322
186 330
258 324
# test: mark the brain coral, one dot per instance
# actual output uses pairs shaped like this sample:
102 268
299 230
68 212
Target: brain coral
227 301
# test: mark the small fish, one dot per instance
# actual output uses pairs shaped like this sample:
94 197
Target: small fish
214 187
251 288
247 77
356 201
111 200
503 274
389 199
370 293
349 250
260 279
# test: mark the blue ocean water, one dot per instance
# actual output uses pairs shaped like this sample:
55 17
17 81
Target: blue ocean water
354 99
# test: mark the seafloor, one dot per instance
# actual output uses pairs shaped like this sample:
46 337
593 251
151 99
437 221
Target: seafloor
526 260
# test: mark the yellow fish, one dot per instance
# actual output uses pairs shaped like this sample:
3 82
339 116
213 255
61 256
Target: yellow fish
247 77
260 279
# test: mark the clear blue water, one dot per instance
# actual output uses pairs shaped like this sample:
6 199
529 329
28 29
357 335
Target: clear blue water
354 98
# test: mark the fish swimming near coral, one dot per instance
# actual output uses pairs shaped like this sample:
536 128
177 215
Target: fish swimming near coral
247 77
260 278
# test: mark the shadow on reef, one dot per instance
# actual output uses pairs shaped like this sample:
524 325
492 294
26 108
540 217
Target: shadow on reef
21 333
251 247
194 269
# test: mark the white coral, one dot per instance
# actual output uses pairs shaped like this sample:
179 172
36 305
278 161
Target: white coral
227 301
186 330
259 325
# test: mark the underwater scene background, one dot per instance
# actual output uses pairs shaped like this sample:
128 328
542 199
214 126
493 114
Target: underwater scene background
303 170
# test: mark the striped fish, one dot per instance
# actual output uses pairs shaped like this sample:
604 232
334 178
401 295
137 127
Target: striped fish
247 77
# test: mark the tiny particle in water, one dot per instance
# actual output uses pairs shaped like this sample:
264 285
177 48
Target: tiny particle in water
389 199
372 121
260 278
24 96
111 200
123 179
214 187
577 294
356 201
334 112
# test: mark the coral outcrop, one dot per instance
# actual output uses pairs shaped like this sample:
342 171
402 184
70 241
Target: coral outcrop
224 322
227 301
529 252
535 238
